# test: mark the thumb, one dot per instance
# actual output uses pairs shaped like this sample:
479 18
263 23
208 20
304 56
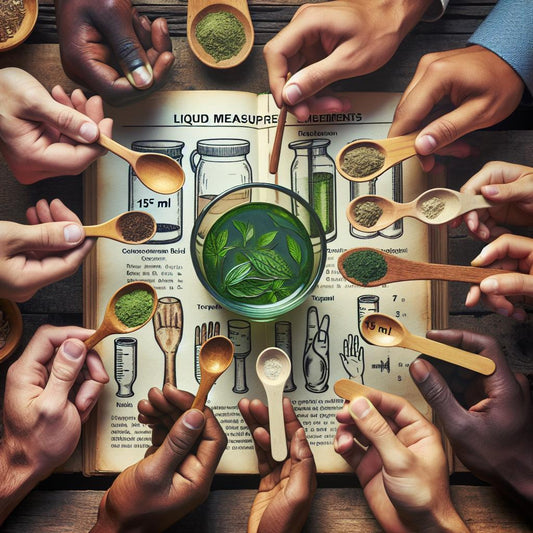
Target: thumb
50 236
179 441
66 366
68 121
508 284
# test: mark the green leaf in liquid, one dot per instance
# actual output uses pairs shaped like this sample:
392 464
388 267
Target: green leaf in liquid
270 263
266 239
249 288
294 249
237 274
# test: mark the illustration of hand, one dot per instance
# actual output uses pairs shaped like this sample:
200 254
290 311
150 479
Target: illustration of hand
200 336
316 354
353 358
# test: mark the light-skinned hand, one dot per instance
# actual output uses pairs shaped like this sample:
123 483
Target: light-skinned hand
463 78
399 460
499 292
176 474
510 187
331 41
492 434
50 391
286 489
40 137
109 48
32 256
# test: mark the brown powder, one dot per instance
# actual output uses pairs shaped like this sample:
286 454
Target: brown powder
367 213
11 16
433 207
362 161
136 226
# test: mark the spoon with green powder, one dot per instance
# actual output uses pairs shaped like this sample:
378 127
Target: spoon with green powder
129 309
383 330
366 159
370 267
220 32
435 206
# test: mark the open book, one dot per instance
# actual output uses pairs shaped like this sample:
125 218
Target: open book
223 139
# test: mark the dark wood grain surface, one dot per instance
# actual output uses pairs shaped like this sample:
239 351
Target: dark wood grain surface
66 503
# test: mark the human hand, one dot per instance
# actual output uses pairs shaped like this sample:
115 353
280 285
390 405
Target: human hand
353 358
465 78
40 137
399 460
331 41
49 249
50 391
286 489
492 434
107 47
508 252
510 187
176 474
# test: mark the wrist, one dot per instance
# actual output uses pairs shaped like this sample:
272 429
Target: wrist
411 12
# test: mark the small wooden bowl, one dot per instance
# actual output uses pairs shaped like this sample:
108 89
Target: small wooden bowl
14 318
26 27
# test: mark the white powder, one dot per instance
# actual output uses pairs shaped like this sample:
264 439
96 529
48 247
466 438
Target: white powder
272 368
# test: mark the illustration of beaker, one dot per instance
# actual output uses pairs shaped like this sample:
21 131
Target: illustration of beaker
167 209
125 365
366 304
218 165
283 340
239 333
313 178
388 185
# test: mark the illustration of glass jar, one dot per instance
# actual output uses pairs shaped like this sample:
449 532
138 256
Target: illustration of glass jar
125 365
313 178
388 185
167 209
366 304
218 165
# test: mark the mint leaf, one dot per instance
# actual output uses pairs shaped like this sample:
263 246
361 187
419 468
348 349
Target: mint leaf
270 263
266 239
294 249
249 288
237 274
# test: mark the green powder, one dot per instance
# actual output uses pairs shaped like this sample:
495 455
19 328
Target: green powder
365 266
134 308
433 207
221 35
362 161
367 213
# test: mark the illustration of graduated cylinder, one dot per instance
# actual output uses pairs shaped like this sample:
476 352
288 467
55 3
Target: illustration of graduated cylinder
283 341
125 365
167 209
313 178
239 333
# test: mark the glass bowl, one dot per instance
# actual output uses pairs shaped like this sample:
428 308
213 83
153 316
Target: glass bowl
259 249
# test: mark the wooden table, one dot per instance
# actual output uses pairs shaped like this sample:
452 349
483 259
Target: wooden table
69 502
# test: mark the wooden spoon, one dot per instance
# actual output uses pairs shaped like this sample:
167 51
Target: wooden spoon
276 148
216 354
114 228
399 269
383 330
273 367
111 324
158 172
198 9
395 149
31 8
348 389
455 204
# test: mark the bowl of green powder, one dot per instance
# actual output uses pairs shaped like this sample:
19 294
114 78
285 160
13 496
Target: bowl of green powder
220 35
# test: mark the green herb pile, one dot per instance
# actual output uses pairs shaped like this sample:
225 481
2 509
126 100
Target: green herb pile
365 266
134 308
362 161
221 35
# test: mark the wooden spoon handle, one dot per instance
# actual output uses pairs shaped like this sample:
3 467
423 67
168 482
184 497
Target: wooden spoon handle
276 148
276 423
467 274
200 399
101 333
400 148
444 352
470 202
118 149
347 389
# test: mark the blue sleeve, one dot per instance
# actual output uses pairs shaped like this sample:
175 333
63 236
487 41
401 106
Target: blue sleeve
508 32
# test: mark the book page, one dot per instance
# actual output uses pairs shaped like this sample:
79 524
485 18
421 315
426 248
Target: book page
223 139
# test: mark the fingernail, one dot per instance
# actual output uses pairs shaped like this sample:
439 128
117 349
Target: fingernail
145 22
502 312
89 402
72 349
489 285
419 370
164 27
292 93
490 190
89 132
519 315
360 407
479 259
193 419
73 233
426 144
142 76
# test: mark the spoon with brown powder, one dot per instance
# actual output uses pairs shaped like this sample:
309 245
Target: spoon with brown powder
435 206
366 159
132 227
369 267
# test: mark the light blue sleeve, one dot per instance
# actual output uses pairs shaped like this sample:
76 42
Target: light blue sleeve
508 32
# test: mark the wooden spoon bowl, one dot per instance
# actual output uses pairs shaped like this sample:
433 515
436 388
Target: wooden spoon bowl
198 9
113 228
399 269
395 150
26 27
